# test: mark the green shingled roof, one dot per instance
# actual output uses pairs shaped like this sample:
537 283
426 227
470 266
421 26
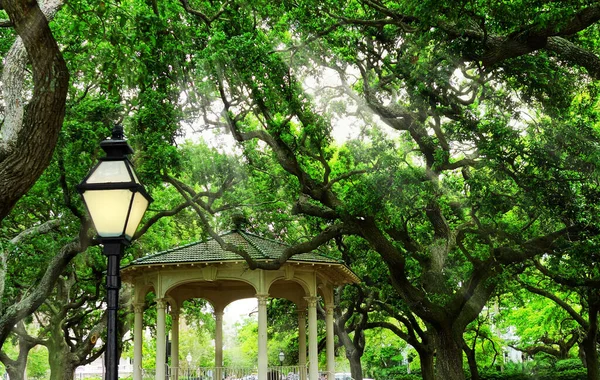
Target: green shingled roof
258 248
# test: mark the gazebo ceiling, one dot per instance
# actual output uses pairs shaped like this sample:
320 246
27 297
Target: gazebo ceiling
260 249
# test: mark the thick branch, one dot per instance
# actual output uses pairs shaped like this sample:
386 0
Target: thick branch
5 251
551 296
42 290
568 51
537 245
41 229
571 282
159 215
302 206
24 161
412 326
207 20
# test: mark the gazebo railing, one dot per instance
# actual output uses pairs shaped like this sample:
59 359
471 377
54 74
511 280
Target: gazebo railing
286 372
230 373
212 373
148 374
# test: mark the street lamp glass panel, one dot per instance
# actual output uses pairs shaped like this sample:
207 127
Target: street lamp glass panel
108 209
111 172
138 208
281 356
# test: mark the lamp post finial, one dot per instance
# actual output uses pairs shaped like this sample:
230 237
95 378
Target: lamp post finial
117 132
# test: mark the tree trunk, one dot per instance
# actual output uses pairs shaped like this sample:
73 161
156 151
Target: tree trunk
62 361
449 359
427 368
16 368
589 342
16 371
591 357
470 353
62 365
355 364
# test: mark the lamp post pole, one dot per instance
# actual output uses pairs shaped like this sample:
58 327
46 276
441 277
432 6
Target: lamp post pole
116 202
113 249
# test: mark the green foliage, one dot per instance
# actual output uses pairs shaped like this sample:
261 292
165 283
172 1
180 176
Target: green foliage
569 374
245 351
568 365
199 317
37 363
570 369
405 377
383 358
535 318
155 127
497 375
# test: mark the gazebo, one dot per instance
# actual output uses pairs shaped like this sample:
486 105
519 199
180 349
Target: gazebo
205 270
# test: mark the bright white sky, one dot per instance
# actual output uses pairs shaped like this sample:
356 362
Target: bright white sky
344 130
317 85
238 310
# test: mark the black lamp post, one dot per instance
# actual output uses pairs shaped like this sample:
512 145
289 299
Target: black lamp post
116 202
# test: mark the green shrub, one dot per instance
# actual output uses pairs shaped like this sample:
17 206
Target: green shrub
506 375
410 376
570 374
567 364
545 374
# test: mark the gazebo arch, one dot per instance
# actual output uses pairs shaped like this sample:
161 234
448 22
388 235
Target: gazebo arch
205 270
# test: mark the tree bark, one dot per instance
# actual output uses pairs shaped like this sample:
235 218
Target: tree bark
427 366
29 304
24 159
470 353
16 368
449 352
355 364
61 359
61 363
353 353
589 343
591 358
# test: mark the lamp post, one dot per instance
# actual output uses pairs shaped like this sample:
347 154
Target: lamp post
189 360
281 358
116 202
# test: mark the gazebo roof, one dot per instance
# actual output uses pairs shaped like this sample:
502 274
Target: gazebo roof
259 248
205 270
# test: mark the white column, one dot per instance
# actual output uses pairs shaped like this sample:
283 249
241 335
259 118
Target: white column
138 321
330 342
175 344
161 341
219 344
302 343
313 358
262 336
